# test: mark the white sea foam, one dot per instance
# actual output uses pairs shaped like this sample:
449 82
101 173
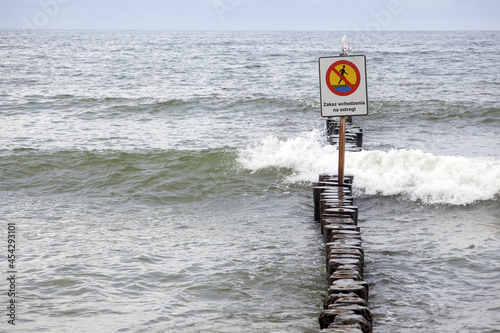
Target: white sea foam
414 174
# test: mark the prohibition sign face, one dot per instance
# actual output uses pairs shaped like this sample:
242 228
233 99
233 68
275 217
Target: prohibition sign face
343 78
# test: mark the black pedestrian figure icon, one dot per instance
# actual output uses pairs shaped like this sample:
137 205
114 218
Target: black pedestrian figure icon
342 72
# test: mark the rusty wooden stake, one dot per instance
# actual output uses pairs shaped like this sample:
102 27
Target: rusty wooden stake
341 150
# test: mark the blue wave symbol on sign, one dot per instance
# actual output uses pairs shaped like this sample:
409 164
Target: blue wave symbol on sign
342 89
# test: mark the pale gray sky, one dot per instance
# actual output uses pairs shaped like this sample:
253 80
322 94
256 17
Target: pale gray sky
328 15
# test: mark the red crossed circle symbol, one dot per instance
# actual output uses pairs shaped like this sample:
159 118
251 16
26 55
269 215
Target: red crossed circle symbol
351 87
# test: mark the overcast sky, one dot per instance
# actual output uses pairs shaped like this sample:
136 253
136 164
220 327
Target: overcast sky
328 15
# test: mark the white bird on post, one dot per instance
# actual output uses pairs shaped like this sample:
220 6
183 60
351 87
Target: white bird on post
344 45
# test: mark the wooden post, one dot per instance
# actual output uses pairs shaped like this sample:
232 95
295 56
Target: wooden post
341 150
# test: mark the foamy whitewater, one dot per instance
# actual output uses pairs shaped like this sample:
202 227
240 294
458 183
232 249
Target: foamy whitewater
411 173
162 181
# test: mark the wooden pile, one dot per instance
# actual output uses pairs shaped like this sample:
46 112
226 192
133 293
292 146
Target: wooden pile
346 306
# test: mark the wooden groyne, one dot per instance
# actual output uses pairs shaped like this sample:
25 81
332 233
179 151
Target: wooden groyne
353 134
346 306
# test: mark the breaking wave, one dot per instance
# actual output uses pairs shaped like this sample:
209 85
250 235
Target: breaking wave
413 174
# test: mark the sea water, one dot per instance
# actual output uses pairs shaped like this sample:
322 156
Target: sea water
162 181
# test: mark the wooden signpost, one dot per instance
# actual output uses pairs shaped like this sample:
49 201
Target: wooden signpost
343 92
